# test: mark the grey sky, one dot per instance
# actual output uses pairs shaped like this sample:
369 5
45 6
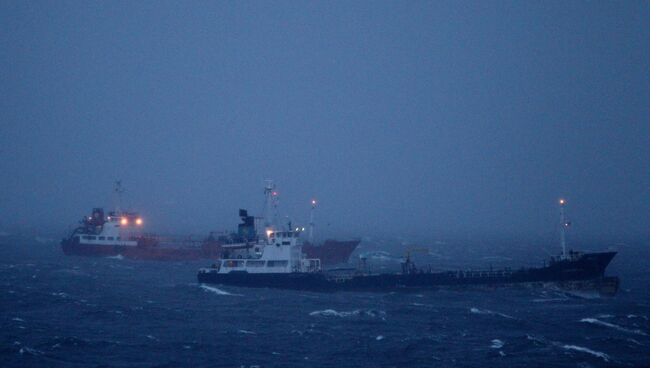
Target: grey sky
417 118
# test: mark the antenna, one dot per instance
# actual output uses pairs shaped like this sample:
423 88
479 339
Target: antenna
118 190
270 203
311 221
563 225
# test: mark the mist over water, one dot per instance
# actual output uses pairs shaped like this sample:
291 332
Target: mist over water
434 120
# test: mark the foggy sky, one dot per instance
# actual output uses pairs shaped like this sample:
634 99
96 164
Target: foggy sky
427 119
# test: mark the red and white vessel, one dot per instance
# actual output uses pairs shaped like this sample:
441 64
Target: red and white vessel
120 234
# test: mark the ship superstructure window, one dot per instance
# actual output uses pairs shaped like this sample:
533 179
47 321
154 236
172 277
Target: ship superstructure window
110 238
255 263
102 238
88 237
286 243
231 264
277 263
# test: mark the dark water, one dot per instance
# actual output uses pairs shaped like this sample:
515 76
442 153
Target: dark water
70 311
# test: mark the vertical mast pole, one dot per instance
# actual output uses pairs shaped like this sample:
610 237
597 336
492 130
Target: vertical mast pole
118 195
562 228
311 221
270 205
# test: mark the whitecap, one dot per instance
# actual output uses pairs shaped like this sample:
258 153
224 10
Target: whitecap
489 312
635 316
379 338
18 319
28 350
598 354
246 332
611 325
635 342
151 337
119 257
217 291
497 344
356 312
332 312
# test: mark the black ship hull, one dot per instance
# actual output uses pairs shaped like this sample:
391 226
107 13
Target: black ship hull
586 269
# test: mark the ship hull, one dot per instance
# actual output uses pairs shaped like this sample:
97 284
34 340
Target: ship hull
589 268
144 250
330 253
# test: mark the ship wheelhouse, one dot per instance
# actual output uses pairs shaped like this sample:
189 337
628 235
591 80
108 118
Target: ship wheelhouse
118 228
281 252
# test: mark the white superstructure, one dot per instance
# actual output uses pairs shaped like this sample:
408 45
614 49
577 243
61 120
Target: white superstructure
116 229
281 252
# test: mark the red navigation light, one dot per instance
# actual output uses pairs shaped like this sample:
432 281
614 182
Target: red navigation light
124 221
138 221
275 193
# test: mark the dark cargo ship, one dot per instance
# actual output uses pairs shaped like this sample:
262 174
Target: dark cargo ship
281 263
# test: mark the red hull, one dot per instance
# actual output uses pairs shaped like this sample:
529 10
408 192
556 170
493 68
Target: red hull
331 252
145 250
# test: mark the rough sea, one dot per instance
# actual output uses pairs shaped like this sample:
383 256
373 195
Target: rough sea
59 311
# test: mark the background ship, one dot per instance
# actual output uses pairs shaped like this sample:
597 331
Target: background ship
120 234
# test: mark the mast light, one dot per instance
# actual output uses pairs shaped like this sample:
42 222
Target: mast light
138 221
124 221
562 201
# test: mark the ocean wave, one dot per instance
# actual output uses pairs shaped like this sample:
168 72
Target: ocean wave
246 332
489 312
379 338
497 344
217 291
548 300
611 325
27 350
357 312
595 353
543 341
119 256
635 316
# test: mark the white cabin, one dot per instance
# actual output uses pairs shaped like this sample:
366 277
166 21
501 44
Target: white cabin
117 229
281 252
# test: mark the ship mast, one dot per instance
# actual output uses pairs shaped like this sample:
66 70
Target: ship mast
118 190
563 226
311 221
270 205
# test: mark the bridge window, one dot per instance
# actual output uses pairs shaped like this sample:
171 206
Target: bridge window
232 263
102 238
255 263
110 238
278 263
